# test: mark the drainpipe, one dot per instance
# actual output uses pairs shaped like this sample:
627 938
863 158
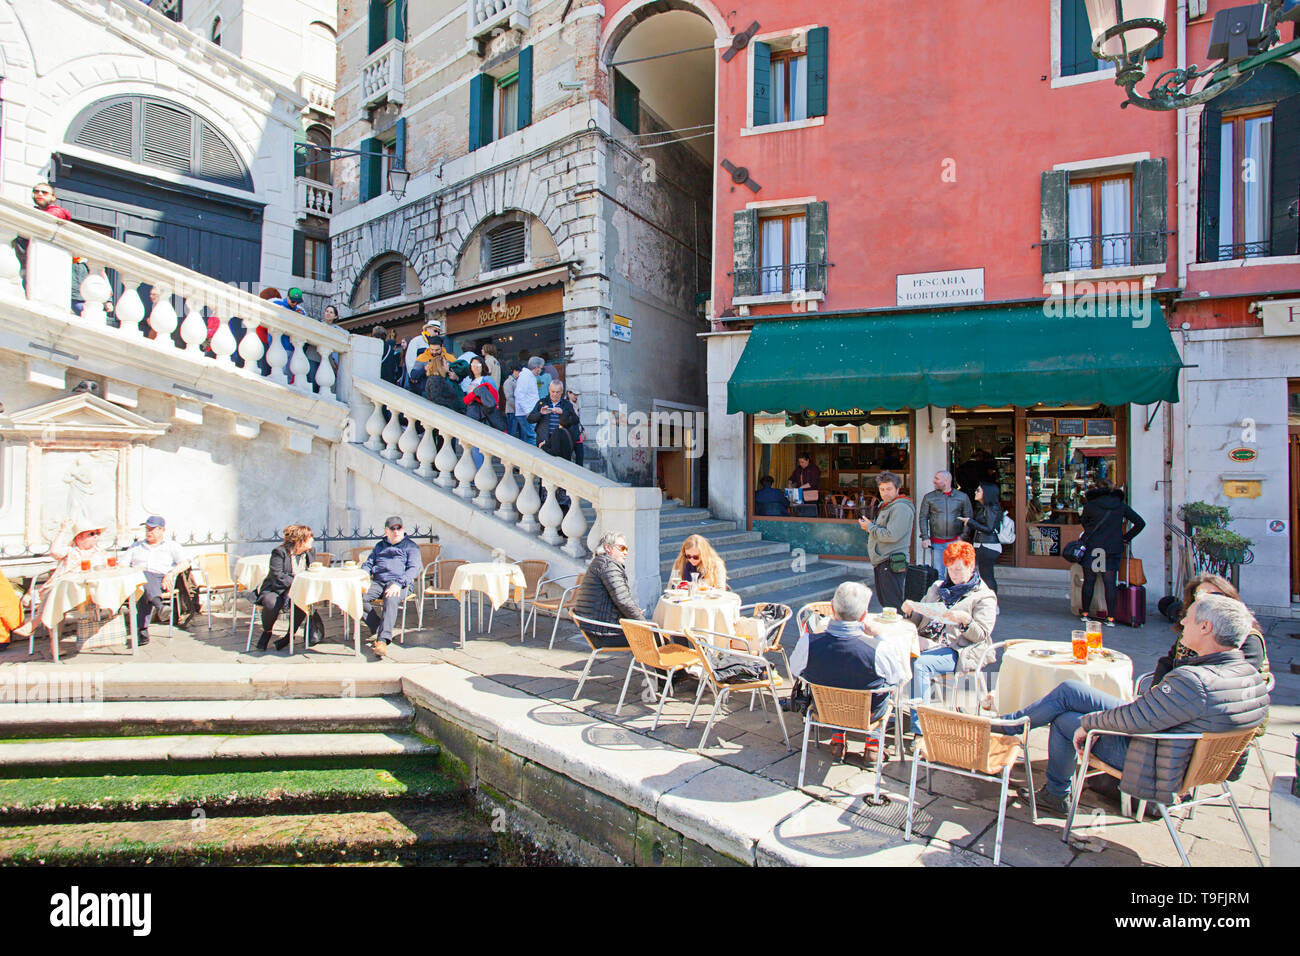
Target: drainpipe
1183 192
1185 210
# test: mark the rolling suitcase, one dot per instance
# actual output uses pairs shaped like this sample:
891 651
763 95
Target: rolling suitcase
918 581
1131 605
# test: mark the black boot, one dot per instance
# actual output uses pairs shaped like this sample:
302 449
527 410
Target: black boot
282 643
264 640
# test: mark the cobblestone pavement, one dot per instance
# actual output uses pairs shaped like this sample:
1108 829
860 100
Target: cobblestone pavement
960 812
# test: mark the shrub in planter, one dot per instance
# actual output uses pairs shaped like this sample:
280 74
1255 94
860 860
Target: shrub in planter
1222 544
1201 514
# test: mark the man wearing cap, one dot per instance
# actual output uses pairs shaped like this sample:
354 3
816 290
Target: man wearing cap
393 566
162 562
415 371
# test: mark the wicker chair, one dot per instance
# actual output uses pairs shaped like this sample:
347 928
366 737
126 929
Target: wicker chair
714 650
648 653
214 568
1213 758
443 571
775 629
971 746
842 709
556 606
821 608
599 635
534 575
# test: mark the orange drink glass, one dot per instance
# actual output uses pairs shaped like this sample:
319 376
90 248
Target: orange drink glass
85 564
1094 640
1079 645
112 560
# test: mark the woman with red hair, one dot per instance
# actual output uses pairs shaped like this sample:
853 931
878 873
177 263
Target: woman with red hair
960 635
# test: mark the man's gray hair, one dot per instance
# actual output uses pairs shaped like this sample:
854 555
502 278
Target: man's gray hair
609 540
852 600
536 362
1230 620
946 474
889 478
556 381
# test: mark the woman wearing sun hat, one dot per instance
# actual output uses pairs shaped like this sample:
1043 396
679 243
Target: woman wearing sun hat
76 541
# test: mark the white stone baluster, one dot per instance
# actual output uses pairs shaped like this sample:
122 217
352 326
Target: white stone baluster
250 348
276 357
574 528
506 493
445 462
130 309
11 286
407 444
593 536
391 433
465 471
528 503
551 515
485 480
374 427
223 343
325 377
424 452
162 317
194 330
300 366
96 291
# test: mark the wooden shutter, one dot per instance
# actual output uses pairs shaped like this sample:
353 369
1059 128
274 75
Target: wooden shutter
1207 194
1284 222
378 27
817 53
1149 204
324 248
399 31
399 144
1055 248
1076 39
816 246
745 243
506 245
627 102
525 82
299 267
372 168
480 110
111 129
168 137
762 83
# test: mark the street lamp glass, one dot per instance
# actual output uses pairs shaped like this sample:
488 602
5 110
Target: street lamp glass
1104 14
397 180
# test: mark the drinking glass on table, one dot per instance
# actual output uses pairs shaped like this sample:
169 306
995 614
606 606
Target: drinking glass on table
1079 645
1093 630
112 561
85 564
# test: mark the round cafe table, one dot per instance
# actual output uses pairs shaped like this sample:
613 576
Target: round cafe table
345 588
251 571
106 589
1026 677
677 611
500 581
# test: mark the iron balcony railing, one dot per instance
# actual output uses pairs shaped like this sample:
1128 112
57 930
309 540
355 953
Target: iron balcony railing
1245 250
774 280
1109 251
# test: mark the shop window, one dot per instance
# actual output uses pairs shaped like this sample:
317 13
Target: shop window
780 253
501 105
789 78
1107 219
1066 452
506 245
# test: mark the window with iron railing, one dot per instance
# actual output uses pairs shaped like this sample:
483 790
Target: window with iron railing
780 253
1108 220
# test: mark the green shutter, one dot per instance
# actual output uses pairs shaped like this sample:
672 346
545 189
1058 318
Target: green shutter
378 26
762 83
818 40
329 260
525 87
1076 40
399 27
480 119
371 168
1055 248
745 243
1285 189
1207 193
627 102
1156 50
1149 191
816 225
399 142
300 152
299 267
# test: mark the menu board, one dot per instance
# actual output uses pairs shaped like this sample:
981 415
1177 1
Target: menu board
1045 540
1070 426
1101 426
1039 426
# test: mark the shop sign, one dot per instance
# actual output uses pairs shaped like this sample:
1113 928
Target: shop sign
1243 455
1281 316
941 288
621 328
502 310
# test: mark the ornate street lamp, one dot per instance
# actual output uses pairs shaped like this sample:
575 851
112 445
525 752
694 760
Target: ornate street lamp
1241 38
313 155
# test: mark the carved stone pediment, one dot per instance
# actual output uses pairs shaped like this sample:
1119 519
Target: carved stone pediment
80 417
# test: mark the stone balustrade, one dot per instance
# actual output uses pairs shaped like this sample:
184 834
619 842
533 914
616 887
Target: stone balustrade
383 75
485 15
157 307
313 198
318 93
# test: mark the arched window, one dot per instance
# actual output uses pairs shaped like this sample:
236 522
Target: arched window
318 165
157 133
388 276
507 245
216 31
321 51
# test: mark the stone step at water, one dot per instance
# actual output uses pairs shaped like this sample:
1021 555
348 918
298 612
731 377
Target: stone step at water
54 755
674 535
138 680
430 835
141 718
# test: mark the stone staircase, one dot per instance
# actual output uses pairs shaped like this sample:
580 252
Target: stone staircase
757 569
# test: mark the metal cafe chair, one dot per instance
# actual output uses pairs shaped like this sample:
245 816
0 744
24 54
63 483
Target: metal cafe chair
648 653
556 606
715 652
838 708
600 636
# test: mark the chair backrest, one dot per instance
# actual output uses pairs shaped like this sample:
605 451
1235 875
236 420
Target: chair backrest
641 638
835 505
959 740
601 635
215 566
447 570
850 709
822 608
429 552
360 554
534 571
325 558
572 600
776 625
1214 757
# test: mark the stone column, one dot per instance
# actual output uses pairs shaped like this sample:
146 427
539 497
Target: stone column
360 361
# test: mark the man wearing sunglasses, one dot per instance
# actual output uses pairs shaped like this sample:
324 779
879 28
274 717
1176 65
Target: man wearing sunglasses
393 566
605 594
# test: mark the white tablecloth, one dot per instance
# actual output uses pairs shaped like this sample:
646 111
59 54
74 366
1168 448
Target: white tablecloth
108 589
717 612
501 582
345 588
251 571
1025 678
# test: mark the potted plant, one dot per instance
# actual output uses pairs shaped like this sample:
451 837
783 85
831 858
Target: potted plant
1201 514
1222 545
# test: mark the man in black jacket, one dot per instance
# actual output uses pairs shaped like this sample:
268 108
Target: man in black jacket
553 411
605 594
1103 532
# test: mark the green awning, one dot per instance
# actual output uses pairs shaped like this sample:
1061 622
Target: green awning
1024 355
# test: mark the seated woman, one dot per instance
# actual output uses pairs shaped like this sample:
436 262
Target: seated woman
76 542
295 554
698 560
963 633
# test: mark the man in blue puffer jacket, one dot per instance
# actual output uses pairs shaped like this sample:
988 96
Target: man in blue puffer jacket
393 566
1216 691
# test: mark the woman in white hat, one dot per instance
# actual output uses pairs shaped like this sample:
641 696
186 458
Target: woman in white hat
76 541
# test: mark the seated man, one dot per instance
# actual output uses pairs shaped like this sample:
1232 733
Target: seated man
605 594
768 500
1214 691
162 562
848 655
393 566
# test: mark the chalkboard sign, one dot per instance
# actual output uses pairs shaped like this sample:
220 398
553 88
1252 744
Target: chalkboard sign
1045 540
1070 426
1039 426
1101 426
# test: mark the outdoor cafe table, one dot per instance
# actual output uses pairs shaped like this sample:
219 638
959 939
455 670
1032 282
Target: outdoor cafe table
677 610
1025 677
345 588
106 589
500 581
251 571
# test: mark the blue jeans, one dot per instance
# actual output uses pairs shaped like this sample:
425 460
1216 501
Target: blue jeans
1064 708
528 431
937 660
936 558
512 426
